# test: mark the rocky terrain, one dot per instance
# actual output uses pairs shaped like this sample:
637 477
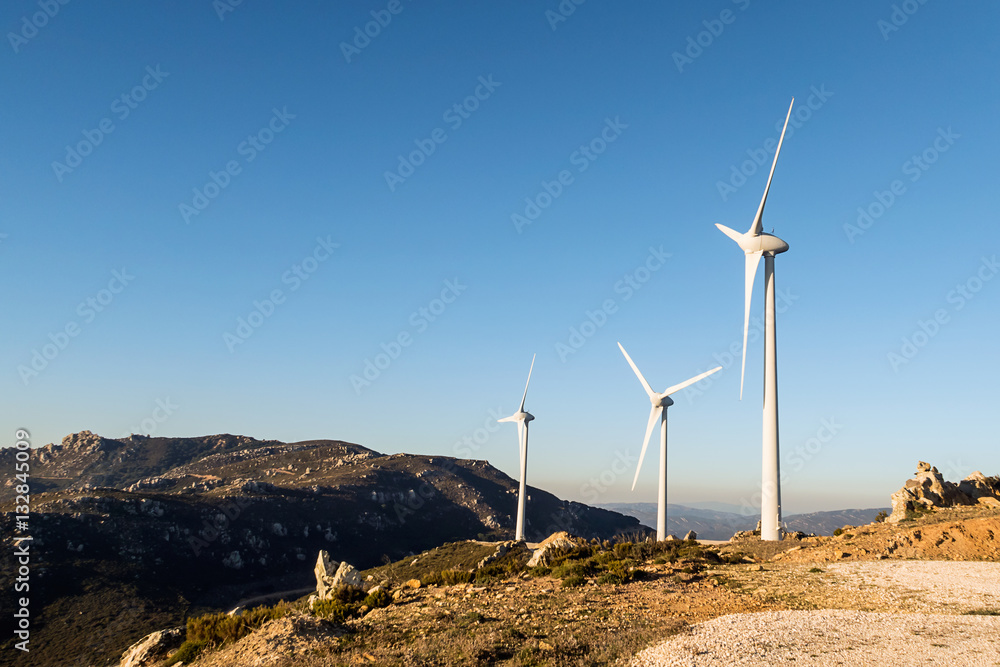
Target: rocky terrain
810 587
135 534
894 593
928 489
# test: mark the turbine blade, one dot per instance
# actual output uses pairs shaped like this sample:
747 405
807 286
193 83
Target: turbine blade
686 383
645 385
654 414
731 233
527 383
758 223
752 262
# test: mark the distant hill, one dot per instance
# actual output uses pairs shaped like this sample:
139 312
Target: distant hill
717 525
131 534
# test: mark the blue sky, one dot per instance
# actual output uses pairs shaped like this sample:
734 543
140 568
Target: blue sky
373 185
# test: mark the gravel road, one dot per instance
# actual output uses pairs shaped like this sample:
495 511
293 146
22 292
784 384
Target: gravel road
848 637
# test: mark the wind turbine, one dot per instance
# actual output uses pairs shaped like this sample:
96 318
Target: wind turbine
660 403
756 244
522 418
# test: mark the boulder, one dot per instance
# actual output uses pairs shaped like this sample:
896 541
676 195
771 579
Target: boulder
330 574
152 648
554 543
928 489
691 535
977 486
347 575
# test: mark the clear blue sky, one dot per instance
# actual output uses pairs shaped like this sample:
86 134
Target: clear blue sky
299 120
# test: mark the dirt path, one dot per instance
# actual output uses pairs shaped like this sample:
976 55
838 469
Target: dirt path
939 590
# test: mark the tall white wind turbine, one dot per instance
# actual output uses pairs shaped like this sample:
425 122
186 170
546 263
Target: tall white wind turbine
522 418
660 402
756 244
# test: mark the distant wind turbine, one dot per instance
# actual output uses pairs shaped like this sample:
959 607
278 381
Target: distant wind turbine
755 244
522 418
660 403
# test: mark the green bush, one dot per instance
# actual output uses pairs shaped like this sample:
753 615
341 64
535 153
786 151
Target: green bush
838 532
222 628
347 594
334 610
573 580
187 652
881 517
378 599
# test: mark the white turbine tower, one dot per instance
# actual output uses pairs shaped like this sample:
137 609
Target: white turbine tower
660 403
522 418
756 244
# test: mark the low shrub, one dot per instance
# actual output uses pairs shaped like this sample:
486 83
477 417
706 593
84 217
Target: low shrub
222 628
186 653
378 599
334 610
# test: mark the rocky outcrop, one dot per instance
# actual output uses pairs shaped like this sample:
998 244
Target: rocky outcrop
152 648
554 543
330 574
982 489
928 489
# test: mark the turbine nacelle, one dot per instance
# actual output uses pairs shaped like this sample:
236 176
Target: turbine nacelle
521 416
756 243
661 401
769 244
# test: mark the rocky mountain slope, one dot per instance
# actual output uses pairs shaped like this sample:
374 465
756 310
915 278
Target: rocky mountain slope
131 535
600 604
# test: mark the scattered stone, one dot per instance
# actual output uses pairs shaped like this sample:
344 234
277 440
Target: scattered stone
412 583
